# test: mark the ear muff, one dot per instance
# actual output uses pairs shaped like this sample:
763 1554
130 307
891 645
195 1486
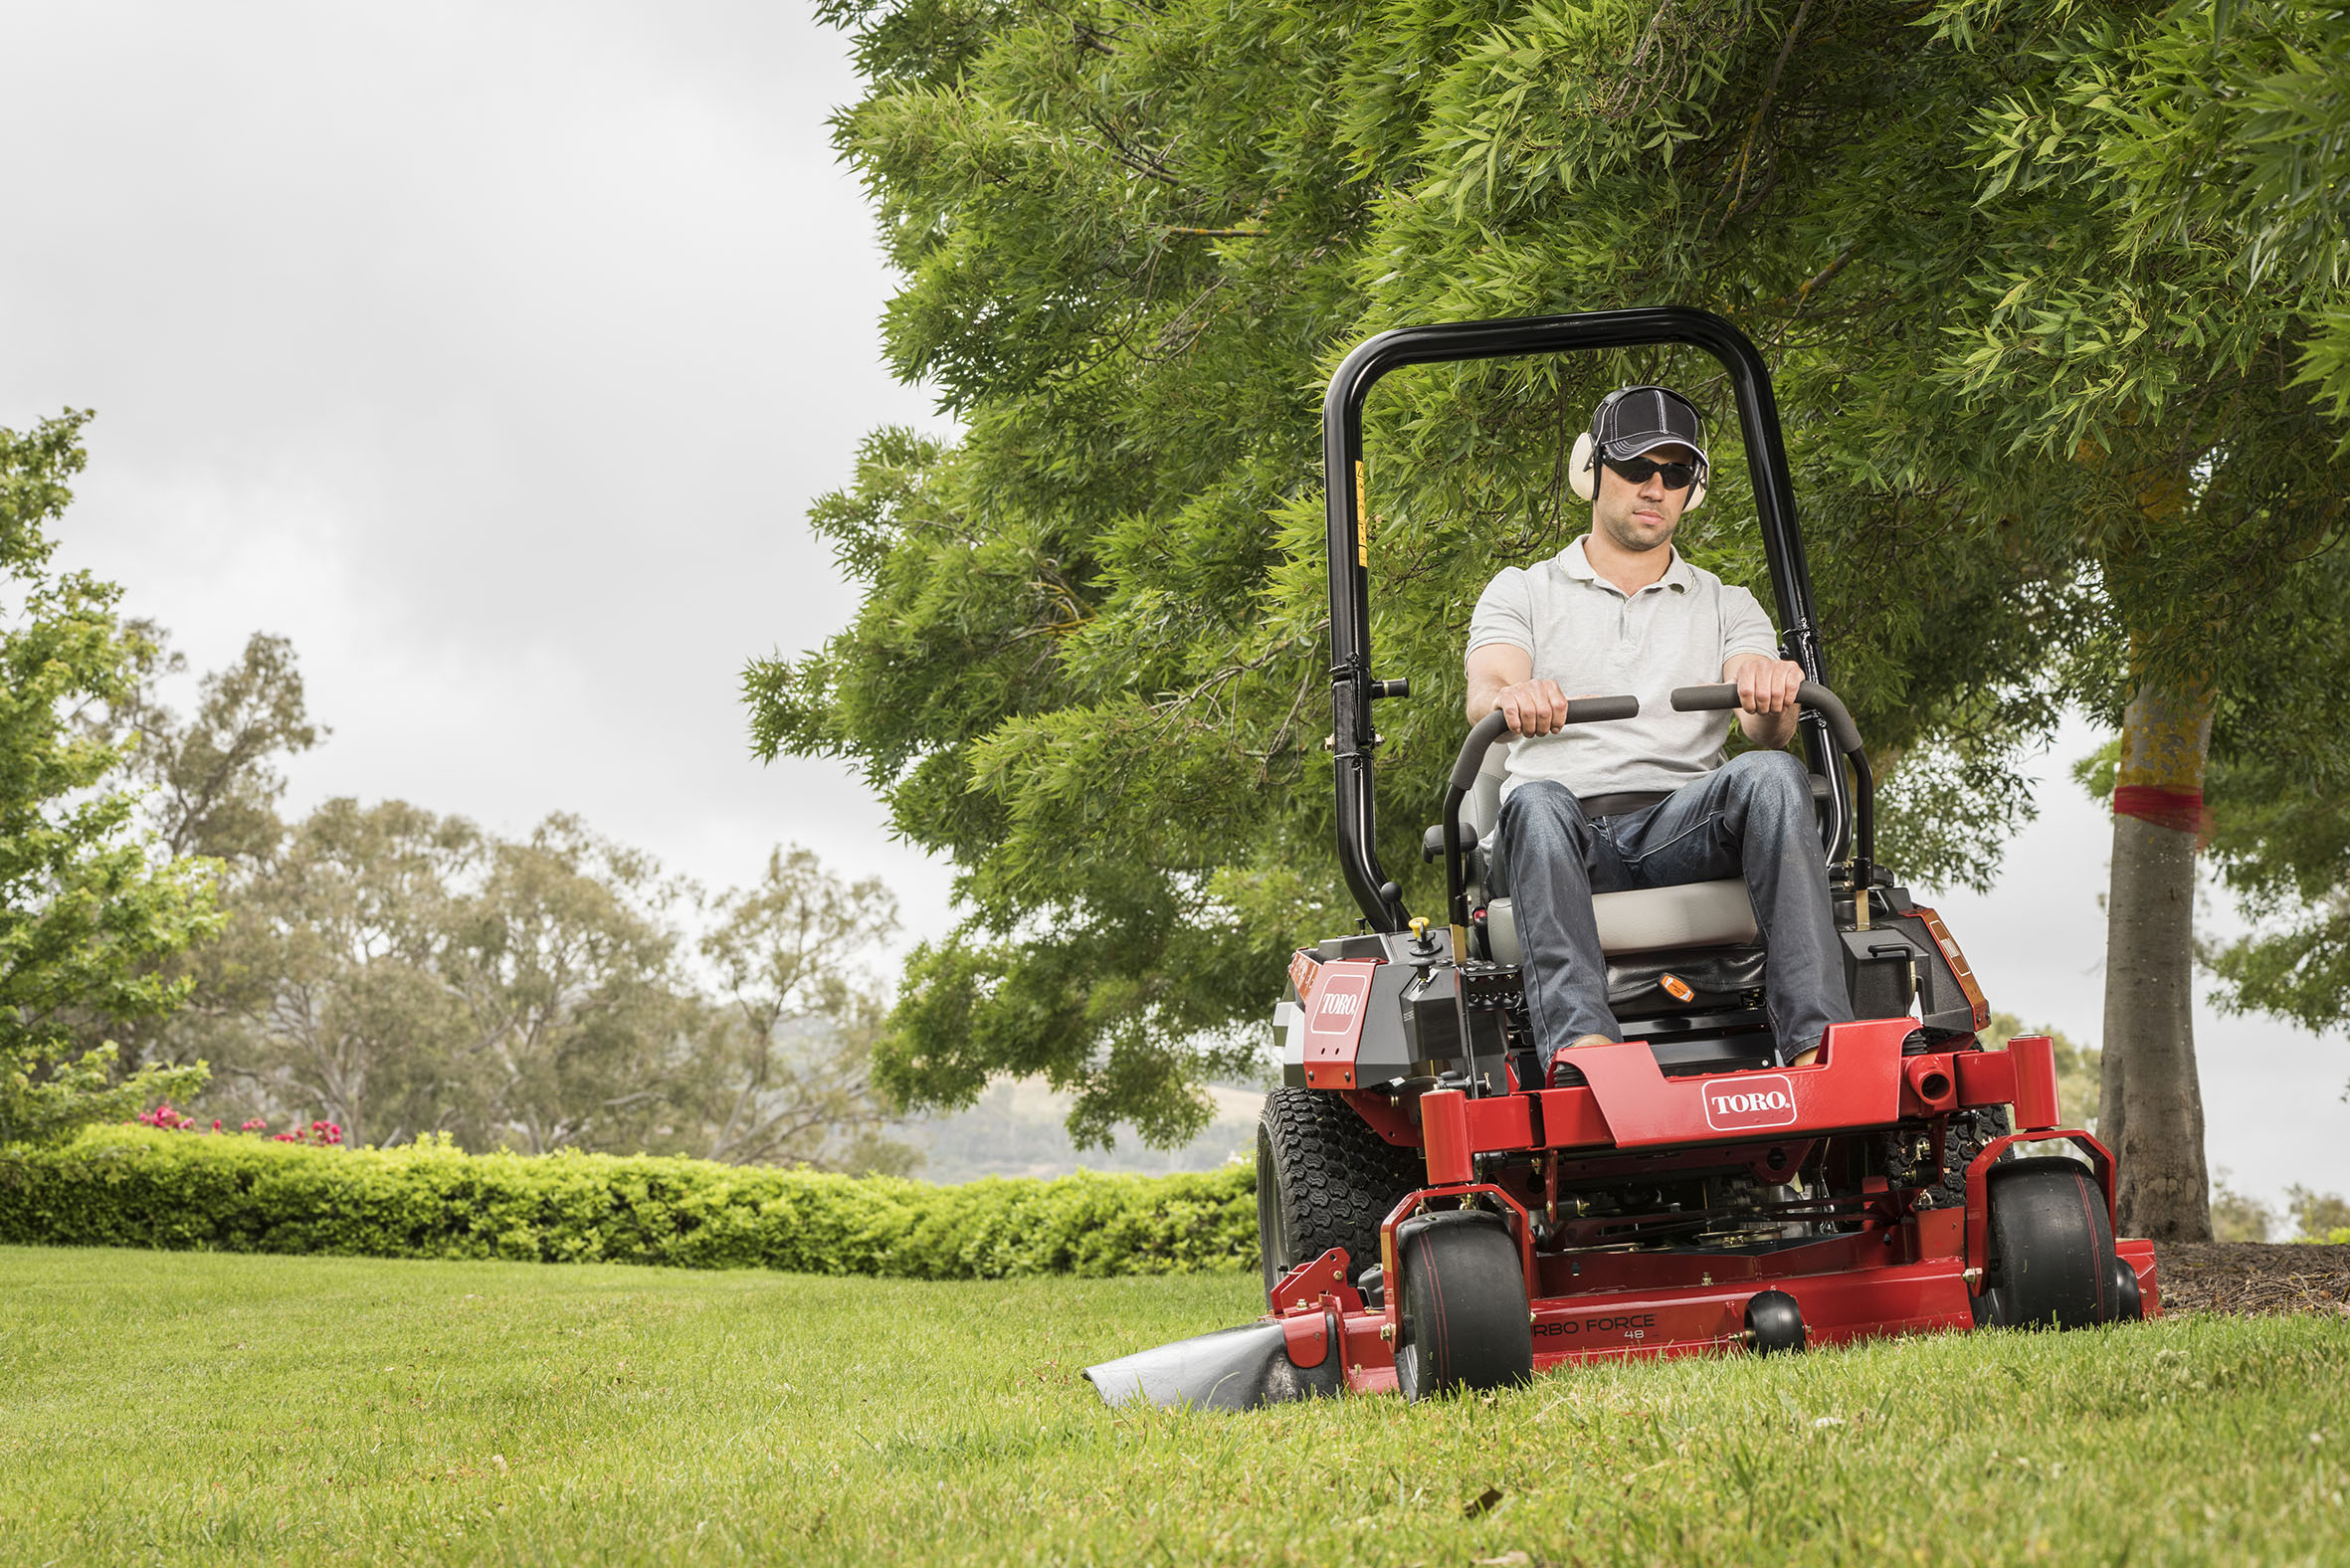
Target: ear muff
1583 476
1582 469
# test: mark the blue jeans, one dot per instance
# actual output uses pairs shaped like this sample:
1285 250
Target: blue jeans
1752 817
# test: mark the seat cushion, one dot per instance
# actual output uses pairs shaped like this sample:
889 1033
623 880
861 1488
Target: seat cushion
1693 914
1708 980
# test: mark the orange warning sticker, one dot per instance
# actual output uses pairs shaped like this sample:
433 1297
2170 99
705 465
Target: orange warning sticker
1679 988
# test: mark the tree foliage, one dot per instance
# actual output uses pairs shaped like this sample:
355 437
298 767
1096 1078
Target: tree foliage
2047 442
213 778
406 974
788 1064
88 913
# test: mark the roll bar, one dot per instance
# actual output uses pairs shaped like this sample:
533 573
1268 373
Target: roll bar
1345 493
1812 697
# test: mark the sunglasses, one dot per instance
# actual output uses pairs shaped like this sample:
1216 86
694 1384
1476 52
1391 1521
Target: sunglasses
1678 476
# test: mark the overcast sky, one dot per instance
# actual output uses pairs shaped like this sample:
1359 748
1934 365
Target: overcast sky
494 352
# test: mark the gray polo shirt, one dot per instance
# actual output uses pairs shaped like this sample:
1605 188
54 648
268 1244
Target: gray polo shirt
1594 639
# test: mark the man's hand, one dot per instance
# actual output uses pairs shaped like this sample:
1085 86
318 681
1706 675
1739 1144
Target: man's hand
1535 707
1766 693
1766 686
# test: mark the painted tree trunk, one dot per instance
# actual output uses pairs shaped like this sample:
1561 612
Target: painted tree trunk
2152 1110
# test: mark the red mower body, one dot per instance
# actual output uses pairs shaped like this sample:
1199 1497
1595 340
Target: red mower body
1434 1218
1900 1270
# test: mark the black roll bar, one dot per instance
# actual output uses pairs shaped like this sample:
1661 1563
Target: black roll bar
1352 686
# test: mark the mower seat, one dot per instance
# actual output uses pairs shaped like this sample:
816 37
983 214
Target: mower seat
1643 921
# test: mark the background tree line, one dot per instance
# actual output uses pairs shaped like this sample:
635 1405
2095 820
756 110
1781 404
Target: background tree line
165 933
404 973
2054 295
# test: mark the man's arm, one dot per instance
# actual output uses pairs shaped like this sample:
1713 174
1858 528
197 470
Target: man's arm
1500 676
1766 696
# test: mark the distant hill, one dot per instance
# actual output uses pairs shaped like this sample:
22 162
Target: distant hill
1017 1129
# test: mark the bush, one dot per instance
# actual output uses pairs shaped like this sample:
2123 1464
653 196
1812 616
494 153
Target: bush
139 1187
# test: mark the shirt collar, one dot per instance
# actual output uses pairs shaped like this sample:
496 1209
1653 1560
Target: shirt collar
1678 574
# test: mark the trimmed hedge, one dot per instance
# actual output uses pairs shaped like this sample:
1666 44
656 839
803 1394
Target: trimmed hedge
132 1187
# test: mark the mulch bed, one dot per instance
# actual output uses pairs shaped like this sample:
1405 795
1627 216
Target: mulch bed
2254 1277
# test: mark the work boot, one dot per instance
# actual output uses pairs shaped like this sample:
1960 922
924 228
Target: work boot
1563 1073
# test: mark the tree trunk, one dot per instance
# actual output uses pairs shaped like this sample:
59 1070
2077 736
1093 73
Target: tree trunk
2152 1111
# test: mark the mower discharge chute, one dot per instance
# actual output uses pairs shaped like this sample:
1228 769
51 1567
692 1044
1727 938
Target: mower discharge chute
1433 1215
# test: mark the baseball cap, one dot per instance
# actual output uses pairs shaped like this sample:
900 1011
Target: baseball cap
1633 420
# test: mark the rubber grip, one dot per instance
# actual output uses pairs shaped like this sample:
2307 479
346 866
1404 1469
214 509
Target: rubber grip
1812 694
1580 710
1704 698
1592 710
1840 718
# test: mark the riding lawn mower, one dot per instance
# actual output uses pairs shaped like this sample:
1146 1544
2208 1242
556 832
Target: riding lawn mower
1437 1213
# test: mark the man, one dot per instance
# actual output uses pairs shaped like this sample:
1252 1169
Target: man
1646 802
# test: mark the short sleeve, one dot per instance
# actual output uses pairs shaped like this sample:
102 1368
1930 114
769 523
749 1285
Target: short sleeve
1744 627
1504 612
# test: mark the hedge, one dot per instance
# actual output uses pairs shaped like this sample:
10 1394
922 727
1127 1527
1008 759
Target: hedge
132 1187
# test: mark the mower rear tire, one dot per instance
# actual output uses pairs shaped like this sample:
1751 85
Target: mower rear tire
1325 1179
1465 1320
2052 1258
1970 1131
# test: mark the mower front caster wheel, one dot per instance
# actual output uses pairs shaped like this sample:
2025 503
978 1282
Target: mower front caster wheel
2052 1262
1465 1322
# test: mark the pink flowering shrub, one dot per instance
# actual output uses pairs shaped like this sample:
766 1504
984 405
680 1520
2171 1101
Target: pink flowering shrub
325 1134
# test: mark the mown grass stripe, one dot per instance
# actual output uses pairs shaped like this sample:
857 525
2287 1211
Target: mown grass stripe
186 1407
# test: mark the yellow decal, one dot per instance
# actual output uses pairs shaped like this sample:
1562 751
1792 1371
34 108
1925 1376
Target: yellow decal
1362 516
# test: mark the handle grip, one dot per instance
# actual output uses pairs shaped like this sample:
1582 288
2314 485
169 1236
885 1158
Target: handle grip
1812 694
1592 710
1491 728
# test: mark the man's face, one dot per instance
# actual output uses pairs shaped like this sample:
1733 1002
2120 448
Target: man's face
1640 516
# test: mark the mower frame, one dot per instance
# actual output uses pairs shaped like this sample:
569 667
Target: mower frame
1854 1256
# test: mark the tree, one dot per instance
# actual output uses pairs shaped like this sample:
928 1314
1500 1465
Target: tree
210 784
88 911
565 963
2261 152
214 776
787 1063
2046 453
329 993
2215 486
403 973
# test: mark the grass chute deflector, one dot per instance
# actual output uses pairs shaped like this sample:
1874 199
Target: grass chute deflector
1437 1213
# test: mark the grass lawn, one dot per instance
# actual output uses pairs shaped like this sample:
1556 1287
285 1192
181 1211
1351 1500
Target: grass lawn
184 1407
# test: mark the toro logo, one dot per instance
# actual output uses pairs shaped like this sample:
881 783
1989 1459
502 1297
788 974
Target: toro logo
1735 1104
1339 1009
